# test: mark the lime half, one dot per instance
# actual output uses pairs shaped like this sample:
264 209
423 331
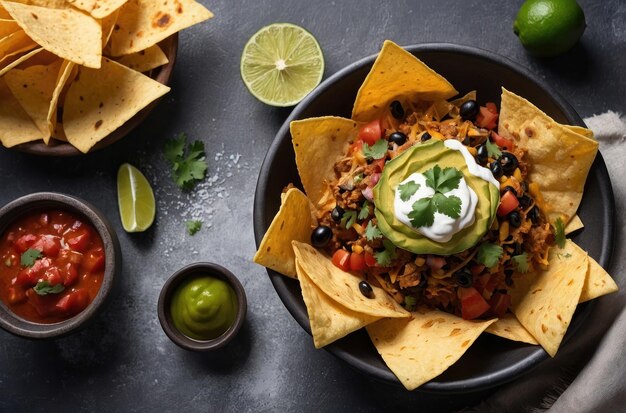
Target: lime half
135 199
281 64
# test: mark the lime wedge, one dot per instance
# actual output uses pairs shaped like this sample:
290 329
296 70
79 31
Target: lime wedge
281 64
135 199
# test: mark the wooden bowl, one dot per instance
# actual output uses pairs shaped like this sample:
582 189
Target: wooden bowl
161 74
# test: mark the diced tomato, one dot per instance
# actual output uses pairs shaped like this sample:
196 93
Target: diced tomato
489 288
357 262
70 274
16 295
53 276
74 302
508 203
24 242
492 107
480 281
499 303
435 262
379 163
78 239
49 245
341 259
477 269
29 276
473 305
486 118
502 142
43 304
371 132
93 261
370 260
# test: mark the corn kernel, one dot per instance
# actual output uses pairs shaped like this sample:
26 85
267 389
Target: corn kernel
357 248
504 230
517 174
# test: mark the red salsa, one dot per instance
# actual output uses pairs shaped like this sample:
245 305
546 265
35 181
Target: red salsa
51 266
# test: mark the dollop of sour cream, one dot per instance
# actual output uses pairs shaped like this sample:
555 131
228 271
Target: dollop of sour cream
444 227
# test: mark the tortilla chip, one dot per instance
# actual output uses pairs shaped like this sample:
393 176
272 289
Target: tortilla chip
597 282
4 15
15 42
397 74
144 23
99 9
318 144
34 88
144 60
108 24
100 101
543 313
7 27
64 74
329 320
292 222
343 287
420 349
574 224
560 157
16 126
68 33
510 328
19 61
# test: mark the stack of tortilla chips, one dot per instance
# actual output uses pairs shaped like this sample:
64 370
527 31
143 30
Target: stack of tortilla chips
72 70
418 346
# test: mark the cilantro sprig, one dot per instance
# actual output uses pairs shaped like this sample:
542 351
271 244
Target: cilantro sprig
408 189
29 257
365 210
385 257
372 232
410 303
493 150
442 181
193 226
559 233
188 165
44 288
521 263
375 151
489 254
348 219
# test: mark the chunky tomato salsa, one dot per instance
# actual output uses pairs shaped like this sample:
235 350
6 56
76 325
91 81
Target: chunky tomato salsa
51 265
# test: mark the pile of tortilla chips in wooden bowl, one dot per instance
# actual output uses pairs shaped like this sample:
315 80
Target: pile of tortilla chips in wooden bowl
420 344
78 75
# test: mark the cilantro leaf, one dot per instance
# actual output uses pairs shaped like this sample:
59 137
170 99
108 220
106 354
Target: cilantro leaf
186 170
44 288
372 232
385 257
559 233
448 180
410 303
493 150
521 263
29 257
489 255
408 189
423 213
431 176
348 219
193 226
447 205
376 151
365 210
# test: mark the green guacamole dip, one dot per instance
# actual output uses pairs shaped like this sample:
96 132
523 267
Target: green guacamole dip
418 159
203 307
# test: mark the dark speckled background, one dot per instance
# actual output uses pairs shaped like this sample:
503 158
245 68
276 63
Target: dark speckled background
123 361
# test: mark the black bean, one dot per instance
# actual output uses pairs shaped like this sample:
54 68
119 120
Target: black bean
533 214
518 249
398 138
509 163
337 213
482 154
496 169
366 289
525 201
397 111
509 188
321 236
425 136
469 110
515 219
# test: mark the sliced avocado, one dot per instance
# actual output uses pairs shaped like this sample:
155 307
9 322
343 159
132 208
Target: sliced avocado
419 158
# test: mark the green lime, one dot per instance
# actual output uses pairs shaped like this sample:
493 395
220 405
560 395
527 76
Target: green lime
281 64
549 27
135 199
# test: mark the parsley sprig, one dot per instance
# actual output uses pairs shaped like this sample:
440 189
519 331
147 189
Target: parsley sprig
188 165
442 181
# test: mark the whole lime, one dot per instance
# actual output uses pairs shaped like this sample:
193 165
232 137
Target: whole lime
549 27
